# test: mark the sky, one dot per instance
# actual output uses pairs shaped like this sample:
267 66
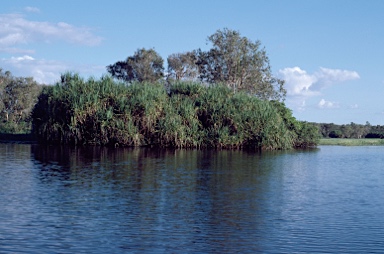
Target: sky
329 52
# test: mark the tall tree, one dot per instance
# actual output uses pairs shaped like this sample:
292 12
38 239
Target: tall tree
144 66
182 66
240 64
18 95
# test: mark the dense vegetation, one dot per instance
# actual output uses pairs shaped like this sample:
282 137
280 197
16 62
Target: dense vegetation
18 96
187 114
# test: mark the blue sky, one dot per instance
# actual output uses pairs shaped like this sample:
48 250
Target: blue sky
331 53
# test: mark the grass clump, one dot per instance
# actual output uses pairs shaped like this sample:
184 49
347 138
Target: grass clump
187 115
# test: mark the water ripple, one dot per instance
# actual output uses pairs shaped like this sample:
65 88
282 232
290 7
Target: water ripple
98 200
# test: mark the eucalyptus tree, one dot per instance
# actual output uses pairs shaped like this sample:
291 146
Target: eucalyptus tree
239 63
146 65
182 66
18 96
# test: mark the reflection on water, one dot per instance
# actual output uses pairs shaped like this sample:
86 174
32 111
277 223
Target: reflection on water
101 200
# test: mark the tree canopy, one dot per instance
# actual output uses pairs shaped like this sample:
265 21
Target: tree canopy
18 95
233 60
146 65
182 66
240 64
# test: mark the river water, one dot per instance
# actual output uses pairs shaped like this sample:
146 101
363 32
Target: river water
100 200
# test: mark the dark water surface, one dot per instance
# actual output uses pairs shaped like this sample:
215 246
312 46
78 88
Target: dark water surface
98 200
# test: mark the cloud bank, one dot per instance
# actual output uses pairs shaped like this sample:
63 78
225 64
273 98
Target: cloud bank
302 85
299 82
17 30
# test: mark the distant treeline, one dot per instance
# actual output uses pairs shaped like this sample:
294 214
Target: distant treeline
352 130
184 115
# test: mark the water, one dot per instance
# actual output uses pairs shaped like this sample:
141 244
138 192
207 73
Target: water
98 200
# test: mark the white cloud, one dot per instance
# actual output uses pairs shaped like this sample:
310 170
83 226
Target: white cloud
302 85
326 77
16 30
32 9
327 104
299 82
337 74
22 58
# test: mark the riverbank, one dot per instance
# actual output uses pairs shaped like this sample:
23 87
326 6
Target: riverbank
351 142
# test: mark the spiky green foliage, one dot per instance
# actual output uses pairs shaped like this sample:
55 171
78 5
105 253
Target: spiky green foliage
103 112
305 134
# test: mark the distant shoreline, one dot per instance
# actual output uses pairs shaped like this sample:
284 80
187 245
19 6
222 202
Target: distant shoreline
351 142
